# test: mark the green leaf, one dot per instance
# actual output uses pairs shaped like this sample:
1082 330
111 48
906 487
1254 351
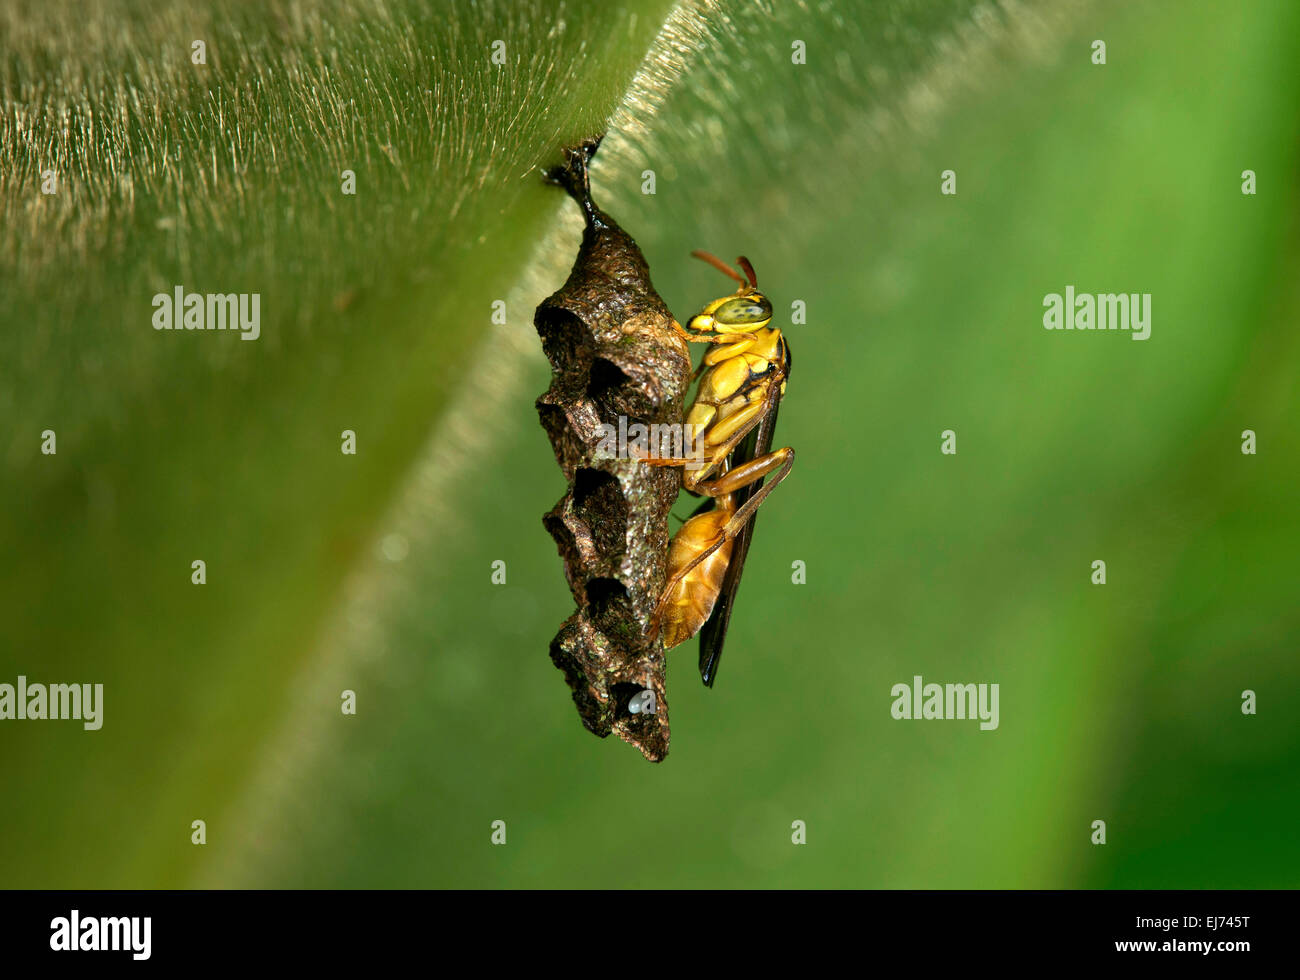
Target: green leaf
373 573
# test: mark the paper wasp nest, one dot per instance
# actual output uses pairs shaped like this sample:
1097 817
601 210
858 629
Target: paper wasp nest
613 352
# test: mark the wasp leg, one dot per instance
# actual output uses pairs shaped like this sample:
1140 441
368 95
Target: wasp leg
698 465
700 338
747 473
694 477
701 466
644 457
695 467
641 456
692 337
686 335
776 463
733 347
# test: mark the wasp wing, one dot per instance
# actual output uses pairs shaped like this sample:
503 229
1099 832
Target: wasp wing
714 632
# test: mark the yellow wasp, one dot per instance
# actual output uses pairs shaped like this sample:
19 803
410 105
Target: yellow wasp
731 423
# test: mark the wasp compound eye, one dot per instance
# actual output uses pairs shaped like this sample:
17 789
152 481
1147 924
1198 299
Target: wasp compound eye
743 310
643 703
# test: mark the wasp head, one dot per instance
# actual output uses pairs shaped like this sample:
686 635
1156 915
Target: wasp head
743 311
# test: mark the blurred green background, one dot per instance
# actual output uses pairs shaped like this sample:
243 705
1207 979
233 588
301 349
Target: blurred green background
373 572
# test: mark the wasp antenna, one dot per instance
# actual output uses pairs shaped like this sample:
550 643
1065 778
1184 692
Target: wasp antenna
718 264
749 271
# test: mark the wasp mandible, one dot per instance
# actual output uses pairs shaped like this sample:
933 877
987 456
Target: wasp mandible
732 419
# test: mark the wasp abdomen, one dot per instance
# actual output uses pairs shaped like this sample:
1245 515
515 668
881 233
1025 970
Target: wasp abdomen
689 603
